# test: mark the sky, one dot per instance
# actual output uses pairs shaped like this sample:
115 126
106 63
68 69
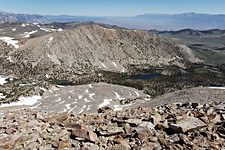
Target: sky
111 7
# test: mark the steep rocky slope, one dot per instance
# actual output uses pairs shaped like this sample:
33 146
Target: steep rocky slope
88 48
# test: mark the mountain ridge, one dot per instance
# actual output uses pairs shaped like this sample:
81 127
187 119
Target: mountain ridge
197 21
148 21
6 17
89 48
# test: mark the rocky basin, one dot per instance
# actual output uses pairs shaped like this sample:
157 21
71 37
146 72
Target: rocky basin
81 98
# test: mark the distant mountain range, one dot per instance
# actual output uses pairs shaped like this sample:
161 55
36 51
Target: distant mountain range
155 21
12 18
191 32
147 21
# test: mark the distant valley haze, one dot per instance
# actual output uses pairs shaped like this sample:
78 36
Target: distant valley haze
147 14
108 8
159 22
191 20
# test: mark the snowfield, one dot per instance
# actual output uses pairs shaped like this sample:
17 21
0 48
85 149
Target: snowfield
28 101
27 34
2 96
219 88
10 41
51 30
105 103
3 80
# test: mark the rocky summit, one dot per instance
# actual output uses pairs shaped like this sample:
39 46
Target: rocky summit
173 126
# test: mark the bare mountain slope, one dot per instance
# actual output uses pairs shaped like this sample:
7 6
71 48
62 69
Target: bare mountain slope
87 48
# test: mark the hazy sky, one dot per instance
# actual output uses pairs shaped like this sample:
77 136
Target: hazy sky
111 7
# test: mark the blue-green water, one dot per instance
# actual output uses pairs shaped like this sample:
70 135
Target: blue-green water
145 76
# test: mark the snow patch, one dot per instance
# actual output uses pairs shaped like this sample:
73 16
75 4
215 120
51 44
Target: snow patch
10 59
118 96
120 107
104 65
27 34
105 103
114 64
72 109
219 88
86 100
80 96
148 99
3 80
43 89
62 102
137 93
2 96
50 30
67 106
45 29
50 39
91 95
27 84
14 29
90 86
82 109
47 76
10 41
60 29
28 101
100 74
89 107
